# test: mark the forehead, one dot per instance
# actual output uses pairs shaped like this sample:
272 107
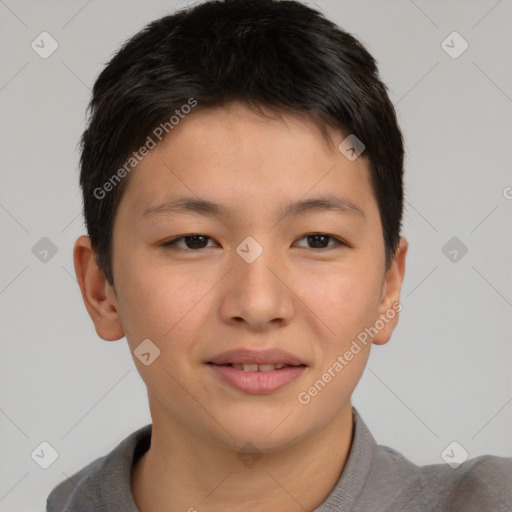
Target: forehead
242 158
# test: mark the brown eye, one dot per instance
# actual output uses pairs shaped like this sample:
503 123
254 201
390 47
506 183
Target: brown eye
194 242
321 241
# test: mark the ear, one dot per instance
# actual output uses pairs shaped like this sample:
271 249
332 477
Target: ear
390 301
99 296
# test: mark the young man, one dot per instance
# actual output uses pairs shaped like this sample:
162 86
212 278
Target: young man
242 183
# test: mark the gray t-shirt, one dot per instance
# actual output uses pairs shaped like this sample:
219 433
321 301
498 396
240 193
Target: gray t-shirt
374 479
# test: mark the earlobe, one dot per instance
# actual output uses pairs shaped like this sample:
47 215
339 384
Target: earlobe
100 304
390 302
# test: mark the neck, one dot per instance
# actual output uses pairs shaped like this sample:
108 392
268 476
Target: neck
184 473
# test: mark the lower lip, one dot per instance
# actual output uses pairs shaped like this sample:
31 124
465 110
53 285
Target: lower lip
257 383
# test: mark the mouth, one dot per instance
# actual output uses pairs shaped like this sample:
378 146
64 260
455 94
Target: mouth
252 367
248 360
256 379
256 372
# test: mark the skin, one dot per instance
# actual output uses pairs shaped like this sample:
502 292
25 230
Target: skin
196 303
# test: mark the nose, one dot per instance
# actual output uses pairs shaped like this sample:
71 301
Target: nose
257 293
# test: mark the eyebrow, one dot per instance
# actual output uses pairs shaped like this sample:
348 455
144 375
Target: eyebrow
183 205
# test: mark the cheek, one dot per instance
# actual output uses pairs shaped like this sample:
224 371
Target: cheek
158 301
164 305
345 300
346 304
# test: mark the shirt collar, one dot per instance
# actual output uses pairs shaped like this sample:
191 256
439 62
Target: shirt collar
116 470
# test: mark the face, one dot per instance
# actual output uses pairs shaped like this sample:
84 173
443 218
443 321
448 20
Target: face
283 266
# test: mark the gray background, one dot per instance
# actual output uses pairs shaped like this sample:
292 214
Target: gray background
445 375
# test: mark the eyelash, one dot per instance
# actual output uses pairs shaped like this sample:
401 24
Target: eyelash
173 243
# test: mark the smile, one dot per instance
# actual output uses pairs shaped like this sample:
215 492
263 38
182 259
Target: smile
256 379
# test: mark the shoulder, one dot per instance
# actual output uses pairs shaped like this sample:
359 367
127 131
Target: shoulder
75 488
481 483
104 481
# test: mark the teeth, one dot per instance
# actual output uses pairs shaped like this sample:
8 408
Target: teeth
250 367
256 367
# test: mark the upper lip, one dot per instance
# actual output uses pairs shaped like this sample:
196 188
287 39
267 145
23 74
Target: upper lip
271 356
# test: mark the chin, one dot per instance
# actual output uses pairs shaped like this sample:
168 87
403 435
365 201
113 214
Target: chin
269 431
